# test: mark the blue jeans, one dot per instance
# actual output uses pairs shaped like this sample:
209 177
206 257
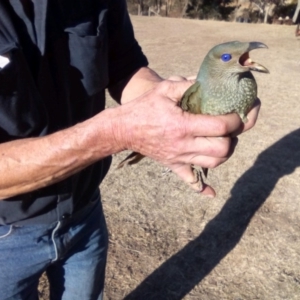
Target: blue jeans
72 253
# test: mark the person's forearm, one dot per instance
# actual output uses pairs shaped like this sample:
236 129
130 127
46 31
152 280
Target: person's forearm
33 163
30 164
135 85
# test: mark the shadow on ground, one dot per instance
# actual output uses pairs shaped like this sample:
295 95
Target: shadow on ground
176 277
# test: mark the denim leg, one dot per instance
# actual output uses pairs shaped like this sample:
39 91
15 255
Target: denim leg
24 256
73 253
79 271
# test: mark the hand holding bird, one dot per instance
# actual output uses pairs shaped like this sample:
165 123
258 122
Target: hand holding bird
224 85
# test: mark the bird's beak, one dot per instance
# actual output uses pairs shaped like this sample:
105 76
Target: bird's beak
246 61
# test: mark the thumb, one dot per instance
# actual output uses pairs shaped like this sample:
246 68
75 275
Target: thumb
174 89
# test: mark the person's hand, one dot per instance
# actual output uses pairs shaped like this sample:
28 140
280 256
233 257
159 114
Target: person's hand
155 126
253 114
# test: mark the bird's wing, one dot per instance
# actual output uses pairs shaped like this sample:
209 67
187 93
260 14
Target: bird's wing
191 99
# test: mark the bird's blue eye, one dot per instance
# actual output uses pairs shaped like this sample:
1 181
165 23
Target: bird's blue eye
226 57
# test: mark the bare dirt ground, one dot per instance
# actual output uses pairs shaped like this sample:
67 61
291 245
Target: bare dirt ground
168 243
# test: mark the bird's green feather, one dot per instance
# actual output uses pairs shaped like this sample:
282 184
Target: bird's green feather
191 100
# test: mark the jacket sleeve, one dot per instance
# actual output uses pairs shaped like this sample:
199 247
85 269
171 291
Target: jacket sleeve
125 54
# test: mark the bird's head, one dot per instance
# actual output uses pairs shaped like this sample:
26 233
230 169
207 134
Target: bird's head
231 58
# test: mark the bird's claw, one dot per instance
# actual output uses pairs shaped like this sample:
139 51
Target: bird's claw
198 178
202 188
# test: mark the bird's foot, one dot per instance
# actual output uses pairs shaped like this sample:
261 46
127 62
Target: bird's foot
198 178
204 188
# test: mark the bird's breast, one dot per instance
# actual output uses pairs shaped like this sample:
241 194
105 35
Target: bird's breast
228 96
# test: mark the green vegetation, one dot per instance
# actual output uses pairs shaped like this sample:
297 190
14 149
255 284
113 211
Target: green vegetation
229 10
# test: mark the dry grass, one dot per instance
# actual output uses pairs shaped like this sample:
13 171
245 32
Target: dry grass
168 243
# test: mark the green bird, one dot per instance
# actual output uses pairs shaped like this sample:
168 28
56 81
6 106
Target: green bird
224 85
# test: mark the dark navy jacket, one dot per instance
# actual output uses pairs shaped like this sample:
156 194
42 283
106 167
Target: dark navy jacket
63 54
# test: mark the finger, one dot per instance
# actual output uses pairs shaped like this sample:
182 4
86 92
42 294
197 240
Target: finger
180 78
208 191
211 126
207 161
191 77
176 78
213 159
218 147
186 173
223 125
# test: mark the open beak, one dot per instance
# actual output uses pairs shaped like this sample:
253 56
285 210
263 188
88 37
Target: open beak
246 61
